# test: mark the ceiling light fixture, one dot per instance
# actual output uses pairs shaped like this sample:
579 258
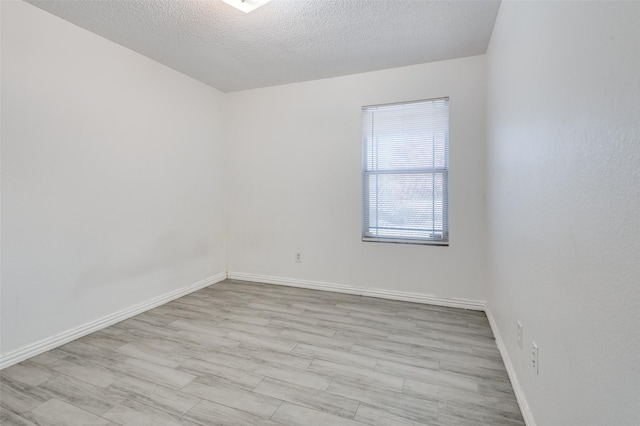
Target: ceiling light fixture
246 5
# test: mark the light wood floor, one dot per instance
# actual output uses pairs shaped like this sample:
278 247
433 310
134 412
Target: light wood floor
240 353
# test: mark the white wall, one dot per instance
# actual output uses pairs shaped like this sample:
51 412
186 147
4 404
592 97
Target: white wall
564 204
112 177
295 182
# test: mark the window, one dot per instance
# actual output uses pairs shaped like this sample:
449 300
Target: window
405 172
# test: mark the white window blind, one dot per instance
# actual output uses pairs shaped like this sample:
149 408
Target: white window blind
405 172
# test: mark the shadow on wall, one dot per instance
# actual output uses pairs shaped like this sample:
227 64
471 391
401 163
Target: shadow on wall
169 251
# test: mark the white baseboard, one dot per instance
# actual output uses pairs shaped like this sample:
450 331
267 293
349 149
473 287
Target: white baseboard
49 343
475 305
515 383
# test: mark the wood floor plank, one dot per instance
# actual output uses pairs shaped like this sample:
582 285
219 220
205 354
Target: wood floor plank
375 416
382 355
151 354
240 377
408 407
154 395
335 355
447 394
55 413
132 413
82 369
302 326
312 398
207 413
476 414
289 374
269 356
28 373
49 357
297 415
90 398
314 339
241 399
154 373
9 418
17 397
358 374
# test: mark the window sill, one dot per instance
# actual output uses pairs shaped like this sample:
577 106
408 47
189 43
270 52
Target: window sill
441 243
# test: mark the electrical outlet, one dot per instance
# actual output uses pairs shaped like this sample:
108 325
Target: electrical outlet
519 331
535 361
298 257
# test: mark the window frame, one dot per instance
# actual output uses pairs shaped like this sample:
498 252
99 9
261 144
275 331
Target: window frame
426 171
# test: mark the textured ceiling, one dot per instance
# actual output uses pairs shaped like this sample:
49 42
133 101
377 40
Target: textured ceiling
285 41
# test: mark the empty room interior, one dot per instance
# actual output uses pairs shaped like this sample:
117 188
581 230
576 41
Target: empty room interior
320 212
